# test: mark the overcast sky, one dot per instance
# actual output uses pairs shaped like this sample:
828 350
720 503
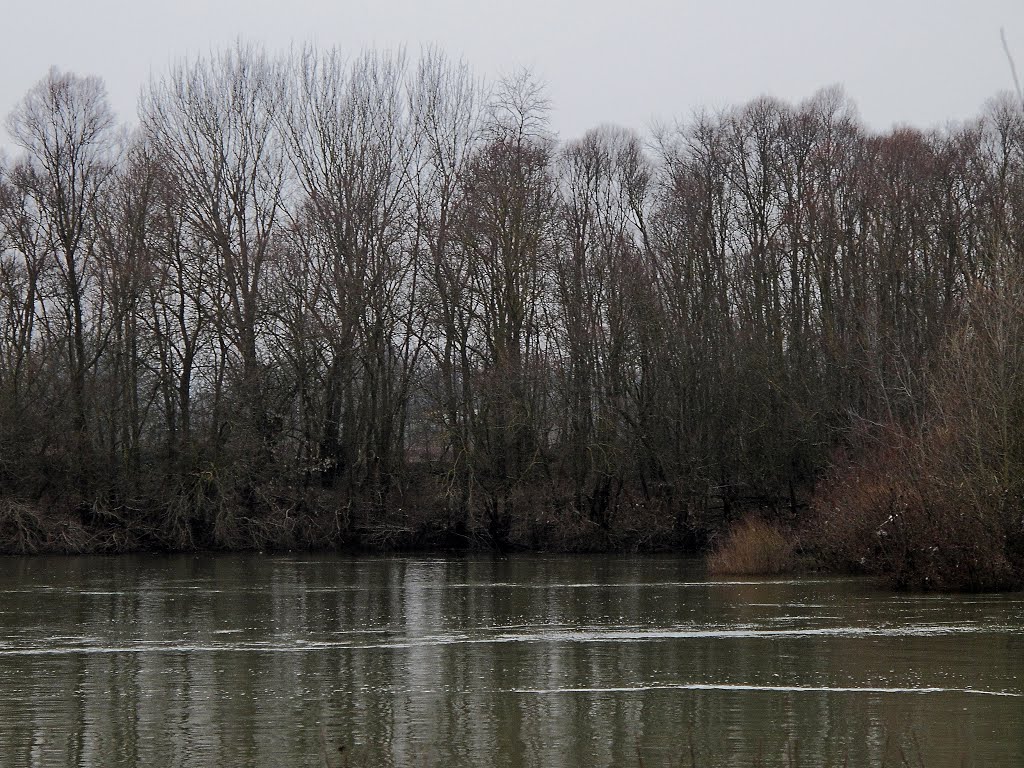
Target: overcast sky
920 62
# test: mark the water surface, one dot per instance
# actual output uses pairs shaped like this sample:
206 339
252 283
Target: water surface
522 661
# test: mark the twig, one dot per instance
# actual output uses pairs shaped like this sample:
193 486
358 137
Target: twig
1013 67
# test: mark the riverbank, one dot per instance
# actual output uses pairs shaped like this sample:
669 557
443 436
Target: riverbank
55 527
910 551
595 344
756 544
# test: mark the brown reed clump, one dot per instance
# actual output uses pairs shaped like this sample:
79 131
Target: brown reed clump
752 547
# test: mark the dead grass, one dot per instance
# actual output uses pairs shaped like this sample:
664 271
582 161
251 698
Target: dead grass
753 547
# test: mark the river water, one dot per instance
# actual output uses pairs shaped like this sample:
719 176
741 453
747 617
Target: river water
520 661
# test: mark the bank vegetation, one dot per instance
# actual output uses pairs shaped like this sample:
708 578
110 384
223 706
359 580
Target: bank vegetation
318 301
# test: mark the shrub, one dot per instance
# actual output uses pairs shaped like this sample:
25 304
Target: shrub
935 501
895 514
753 547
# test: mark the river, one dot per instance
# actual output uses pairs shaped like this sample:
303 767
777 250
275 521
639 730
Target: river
250 660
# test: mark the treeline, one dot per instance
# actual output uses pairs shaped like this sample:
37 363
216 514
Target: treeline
316 301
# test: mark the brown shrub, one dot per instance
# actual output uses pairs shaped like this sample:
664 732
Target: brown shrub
902 513
934 499
22 528
753 547
27 529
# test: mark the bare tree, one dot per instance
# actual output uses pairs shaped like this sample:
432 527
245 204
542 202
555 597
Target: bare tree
446 103
604 180
66 129
214 123
504 228
350 139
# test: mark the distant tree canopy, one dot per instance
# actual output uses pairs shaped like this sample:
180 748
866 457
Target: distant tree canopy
314 301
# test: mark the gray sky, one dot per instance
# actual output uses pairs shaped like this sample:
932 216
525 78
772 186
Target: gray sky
922 62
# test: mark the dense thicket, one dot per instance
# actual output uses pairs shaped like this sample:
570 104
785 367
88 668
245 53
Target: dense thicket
316 301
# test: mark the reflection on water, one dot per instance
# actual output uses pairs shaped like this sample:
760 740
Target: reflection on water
525 661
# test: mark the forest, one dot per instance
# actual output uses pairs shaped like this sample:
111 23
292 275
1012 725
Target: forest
317 301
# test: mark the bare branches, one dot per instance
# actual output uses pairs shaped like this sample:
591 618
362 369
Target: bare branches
518 109
317 291
1013 67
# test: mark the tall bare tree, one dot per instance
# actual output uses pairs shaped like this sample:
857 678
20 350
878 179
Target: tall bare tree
214 122
66 129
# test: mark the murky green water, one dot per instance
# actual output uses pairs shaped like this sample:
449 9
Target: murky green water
526 661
